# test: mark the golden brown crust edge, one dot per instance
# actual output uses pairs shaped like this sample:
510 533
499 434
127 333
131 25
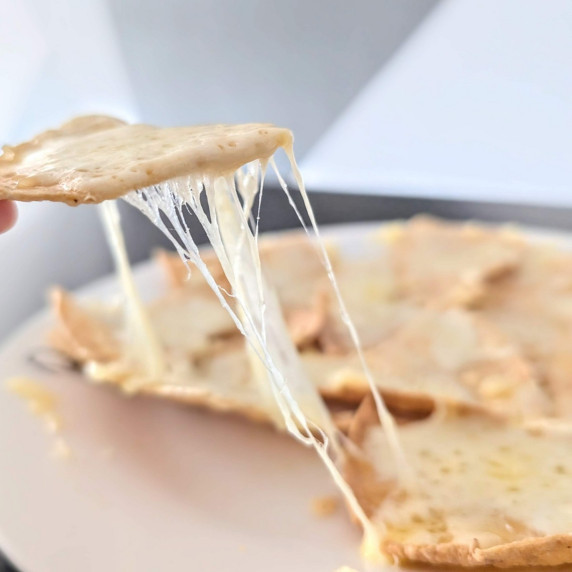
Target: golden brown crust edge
547 551
82 338
210 402
396 401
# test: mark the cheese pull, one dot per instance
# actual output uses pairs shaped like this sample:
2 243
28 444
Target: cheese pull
217 173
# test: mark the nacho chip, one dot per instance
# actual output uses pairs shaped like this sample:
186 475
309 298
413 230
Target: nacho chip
208 364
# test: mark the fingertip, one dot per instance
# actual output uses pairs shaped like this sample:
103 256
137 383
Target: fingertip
8 215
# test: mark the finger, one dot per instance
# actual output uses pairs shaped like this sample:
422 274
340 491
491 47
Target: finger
8 215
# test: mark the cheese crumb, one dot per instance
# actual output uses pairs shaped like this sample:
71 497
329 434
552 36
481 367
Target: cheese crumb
39 400
324 506
42 403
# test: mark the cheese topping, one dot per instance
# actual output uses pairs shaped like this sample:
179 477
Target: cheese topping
518 482
145 352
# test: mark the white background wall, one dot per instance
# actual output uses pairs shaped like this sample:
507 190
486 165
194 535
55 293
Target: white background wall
295 62
476 106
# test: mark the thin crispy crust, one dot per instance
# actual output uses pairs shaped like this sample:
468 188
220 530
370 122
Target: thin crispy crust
532 306
15 185
343 419
181 275
547 551
301 265
406 402
358 472
305 323
451 357
95 158
208 400
82 337
78 334
365 417
470 257
370 492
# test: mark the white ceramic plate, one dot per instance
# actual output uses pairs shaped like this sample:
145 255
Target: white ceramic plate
152 485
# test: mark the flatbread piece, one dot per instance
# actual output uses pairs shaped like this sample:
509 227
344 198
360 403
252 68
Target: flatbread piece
95 158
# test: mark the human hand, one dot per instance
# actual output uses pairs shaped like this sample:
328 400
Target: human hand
8 215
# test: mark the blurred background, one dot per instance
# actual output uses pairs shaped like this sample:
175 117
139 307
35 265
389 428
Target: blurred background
461 108
459 100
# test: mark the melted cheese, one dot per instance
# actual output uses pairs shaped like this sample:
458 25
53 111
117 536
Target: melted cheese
145 352
258 316
385 417
225 215
92 159
519 483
